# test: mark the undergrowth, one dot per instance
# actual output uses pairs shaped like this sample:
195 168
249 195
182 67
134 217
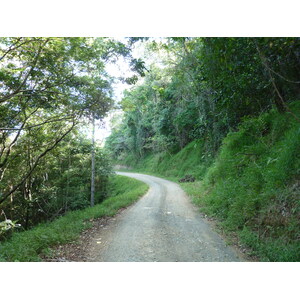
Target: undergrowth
191 159
28 245
253 185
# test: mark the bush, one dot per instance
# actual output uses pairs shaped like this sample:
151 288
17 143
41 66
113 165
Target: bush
28 245
253 186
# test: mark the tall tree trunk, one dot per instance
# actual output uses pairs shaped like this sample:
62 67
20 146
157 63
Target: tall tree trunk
68 179
12 206
28 184
93 165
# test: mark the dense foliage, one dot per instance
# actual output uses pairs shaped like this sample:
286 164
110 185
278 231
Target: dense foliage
253 185
36 243
205 89
221 109
48 88
226 111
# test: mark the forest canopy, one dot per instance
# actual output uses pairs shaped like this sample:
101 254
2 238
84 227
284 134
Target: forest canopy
204 88
221 116
221 110
48 87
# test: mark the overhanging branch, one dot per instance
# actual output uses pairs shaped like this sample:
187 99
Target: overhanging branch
7 97
14 188
37 125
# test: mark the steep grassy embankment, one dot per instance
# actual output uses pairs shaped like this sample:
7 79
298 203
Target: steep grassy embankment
253 185
28 245
190 160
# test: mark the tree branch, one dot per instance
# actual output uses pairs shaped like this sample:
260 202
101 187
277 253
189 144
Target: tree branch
7 97
14 188
291 81
36 125
11 48
7 154
266 65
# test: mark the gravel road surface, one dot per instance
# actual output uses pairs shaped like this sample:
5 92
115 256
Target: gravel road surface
162 226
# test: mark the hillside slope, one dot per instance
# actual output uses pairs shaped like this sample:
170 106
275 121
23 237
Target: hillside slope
252 186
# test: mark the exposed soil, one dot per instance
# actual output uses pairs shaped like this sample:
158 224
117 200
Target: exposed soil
77 251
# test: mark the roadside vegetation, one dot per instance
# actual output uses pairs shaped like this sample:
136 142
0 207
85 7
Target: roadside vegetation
29 245
224 115
252 186
221 111
51 89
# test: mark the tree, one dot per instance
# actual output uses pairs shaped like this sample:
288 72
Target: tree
205 88
48 88
93 164
47 81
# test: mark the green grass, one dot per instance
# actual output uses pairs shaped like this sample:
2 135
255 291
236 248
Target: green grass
192 160
253 185
28 245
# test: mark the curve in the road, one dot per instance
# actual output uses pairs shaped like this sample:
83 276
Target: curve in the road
162 226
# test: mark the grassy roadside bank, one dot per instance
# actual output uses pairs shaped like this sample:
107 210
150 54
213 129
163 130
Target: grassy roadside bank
28 245
252 187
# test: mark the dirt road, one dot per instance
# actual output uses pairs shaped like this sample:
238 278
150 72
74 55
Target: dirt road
162 226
